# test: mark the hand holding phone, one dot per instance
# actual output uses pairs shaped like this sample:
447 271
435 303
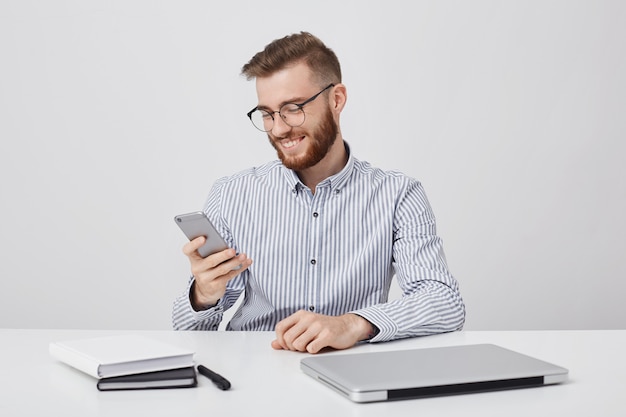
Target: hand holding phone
197 224
211 275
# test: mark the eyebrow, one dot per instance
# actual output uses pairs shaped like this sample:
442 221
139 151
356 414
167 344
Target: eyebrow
296 100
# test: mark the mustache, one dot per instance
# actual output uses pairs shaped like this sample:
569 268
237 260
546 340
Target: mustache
290 135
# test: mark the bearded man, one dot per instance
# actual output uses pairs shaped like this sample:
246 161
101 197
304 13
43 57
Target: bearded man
327 232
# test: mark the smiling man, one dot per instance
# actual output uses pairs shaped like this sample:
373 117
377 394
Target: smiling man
327 232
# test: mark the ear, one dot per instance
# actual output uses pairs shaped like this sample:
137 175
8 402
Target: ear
338 98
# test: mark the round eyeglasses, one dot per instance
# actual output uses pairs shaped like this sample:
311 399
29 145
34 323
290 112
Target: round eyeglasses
291 113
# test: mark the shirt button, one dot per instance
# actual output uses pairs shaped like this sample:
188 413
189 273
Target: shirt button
311 308
313 261
315 214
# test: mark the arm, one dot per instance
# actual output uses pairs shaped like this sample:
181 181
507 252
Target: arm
185 317
431 302
212 288
202 305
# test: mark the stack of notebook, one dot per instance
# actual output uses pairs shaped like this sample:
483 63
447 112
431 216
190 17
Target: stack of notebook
128 362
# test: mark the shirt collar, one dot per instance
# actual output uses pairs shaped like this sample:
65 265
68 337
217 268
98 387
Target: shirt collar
334 182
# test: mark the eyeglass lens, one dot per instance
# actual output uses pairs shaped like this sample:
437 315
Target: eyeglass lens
291 114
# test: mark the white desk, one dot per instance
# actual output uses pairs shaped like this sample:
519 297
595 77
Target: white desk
269 383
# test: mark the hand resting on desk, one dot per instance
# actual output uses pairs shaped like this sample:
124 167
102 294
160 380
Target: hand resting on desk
304 331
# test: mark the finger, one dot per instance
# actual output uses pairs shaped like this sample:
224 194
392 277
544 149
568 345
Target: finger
317 344
236 264
191 248
302 342
216 279
281 328
276 345
224 273
298 336
218 258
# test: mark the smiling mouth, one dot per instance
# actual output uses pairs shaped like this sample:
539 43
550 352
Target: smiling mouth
290 143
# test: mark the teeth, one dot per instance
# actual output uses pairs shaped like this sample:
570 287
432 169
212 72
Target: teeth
291 143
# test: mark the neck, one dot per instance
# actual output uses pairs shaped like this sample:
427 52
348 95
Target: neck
331 164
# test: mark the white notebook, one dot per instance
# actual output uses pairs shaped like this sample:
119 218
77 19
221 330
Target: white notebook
105 357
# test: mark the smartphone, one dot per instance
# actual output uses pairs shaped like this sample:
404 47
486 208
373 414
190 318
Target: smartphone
197 224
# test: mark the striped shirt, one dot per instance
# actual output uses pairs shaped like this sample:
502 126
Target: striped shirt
331 252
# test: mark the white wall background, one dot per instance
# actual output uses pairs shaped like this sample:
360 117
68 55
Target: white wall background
117 115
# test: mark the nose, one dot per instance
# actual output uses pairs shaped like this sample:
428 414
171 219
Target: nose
280 128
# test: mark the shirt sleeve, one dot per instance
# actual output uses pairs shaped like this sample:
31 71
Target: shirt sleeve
431 302
184 317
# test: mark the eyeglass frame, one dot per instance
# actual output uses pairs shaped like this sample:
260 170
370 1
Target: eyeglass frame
299 105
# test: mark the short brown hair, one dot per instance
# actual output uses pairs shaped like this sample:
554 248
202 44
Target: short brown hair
292 49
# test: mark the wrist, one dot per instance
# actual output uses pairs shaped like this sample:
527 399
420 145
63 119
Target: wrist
365 329
199 302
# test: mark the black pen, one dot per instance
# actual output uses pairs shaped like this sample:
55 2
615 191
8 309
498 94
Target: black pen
221 382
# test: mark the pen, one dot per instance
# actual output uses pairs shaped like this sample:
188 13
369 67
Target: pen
221 382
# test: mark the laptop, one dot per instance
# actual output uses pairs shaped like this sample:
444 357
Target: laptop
429 372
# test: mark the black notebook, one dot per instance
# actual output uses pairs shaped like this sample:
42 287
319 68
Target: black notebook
172 378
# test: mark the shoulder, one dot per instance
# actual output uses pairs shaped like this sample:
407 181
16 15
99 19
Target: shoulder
364 171
393 186
265 172
234 191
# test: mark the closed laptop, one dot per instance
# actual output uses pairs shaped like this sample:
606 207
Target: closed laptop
416 373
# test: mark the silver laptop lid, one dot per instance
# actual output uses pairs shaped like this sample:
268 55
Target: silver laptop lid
415 373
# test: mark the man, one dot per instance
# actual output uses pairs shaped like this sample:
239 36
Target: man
326 231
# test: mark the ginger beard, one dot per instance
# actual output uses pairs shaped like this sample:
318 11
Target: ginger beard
320 142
